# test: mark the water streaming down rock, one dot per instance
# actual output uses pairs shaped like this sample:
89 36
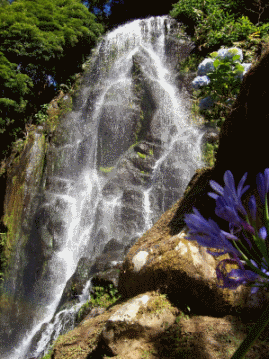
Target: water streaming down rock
121 158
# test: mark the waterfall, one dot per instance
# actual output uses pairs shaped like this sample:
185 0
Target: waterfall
120 159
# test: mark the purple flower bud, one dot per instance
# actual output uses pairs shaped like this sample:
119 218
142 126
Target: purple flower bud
252 207
261 187
266 179
262 181
263 233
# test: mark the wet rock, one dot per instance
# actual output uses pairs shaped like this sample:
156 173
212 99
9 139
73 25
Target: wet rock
110 276
75 284
94 312
211 135
105 261
113 245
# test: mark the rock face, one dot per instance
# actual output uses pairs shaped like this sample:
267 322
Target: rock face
243 137
24 181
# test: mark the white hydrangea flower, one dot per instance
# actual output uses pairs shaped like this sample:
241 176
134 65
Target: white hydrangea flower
229 53
205 66
200 81
246 66
206 103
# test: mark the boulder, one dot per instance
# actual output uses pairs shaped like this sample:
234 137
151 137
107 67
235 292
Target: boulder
185 271
135 323
149 326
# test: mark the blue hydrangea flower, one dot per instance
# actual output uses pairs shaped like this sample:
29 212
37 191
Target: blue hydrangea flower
200 81
206 103
205 66
229 53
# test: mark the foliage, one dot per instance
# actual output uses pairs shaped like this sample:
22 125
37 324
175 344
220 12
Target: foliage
42 44
190 63
224 81
214 23
4 3
48 355
41 116
221 84
210 152
102 297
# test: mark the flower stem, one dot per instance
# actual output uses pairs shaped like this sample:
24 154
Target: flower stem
253 334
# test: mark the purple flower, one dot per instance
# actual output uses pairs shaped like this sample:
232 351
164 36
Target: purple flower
229 207
208 234
252 207
231 195
260 281
228 202
263 184
263 233
235 277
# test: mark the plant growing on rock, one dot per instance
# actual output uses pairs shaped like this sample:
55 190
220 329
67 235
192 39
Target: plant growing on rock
42 115
101 297
219 80
245 242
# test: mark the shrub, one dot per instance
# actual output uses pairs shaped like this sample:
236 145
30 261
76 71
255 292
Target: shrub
221 84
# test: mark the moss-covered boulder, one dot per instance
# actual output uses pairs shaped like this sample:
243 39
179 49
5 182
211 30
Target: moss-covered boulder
150 326
161 260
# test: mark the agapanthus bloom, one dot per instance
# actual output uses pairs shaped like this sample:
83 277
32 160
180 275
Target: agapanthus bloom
250 257
263 184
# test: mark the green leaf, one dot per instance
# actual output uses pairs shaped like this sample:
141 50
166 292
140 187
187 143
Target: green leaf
216 63
236 57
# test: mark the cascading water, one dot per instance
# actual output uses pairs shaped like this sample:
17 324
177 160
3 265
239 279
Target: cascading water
122 157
